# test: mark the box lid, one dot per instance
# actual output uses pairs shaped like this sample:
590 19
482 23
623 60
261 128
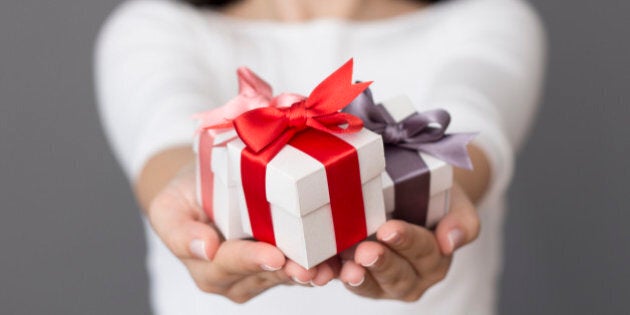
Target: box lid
297 182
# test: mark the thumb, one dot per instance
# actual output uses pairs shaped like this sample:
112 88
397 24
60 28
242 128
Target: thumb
193 240
177 220
461 224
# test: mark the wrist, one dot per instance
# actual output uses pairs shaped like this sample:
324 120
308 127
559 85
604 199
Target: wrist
159 170
474 182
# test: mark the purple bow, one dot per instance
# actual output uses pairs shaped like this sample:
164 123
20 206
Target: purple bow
422 132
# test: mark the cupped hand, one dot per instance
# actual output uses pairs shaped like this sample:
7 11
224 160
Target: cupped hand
236 269
408 259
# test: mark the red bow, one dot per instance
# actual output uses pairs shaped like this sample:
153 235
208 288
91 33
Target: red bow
271 128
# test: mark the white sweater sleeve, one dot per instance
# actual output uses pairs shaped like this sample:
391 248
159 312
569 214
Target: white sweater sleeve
490 81
149 80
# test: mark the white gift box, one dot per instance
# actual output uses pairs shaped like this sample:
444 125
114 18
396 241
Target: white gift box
297 189
225 211
441 173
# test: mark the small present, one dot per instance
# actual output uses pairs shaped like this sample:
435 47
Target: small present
312 216
218 196
308 175
418 154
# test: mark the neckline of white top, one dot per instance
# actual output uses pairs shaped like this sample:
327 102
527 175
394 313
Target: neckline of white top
378 26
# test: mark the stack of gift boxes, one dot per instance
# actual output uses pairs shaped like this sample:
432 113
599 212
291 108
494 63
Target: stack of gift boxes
315 175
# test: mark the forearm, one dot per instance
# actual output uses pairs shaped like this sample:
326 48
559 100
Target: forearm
159 170
475 182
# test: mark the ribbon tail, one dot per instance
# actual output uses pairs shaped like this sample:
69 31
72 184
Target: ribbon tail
336 91
450 149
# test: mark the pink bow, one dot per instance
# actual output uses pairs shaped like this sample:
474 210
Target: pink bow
253 93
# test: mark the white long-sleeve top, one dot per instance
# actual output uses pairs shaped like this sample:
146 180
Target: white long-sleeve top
159 61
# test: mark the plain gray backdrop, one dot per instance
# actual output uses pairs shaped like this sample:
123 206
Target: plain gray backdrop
70 233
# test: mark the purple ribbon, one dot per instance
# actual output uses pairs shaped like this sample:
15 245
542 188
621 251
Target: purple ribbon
422 132
419 132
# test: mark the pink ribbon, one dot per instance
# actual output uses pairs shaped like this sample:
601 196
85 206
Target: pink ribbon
253 93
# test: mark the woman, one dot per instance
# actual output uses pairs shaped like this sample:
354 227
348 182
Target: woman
159 61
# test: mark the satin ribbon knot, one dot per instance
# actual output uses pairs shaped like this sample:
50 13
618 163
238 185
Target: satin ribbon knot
394 134
297 115
422 132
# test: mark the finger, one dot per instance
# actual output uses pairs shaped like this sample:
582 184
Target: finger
392 272
348 254
179 225
351 273
238 289
408 240
418 246
358 281
327 271
460 226
238 258
298 274
252 286
366 286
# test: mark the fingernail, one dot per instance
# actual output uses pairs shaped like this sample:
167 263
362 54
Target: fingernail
455 239
391 238
371 263
358 283
269 268
198 249
299 281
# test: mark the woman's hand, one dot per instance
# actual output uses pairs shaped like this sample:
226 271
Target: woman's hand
236 269
408 259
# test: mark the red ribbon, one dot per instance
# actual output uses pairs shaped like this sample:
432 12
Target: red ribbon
271 128
307 125
344 183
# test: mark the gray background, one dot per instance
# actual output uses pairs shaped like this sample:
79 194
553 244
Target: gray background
70 235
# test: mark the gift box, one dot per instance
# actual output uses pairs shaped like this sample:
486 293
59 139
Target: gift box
305 225
223 210
308 176
411 172
418 154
